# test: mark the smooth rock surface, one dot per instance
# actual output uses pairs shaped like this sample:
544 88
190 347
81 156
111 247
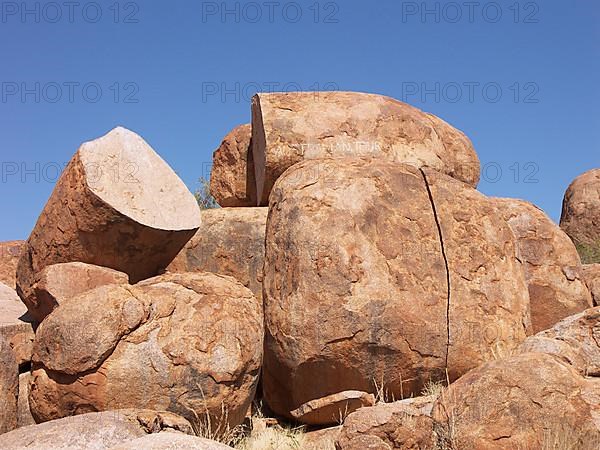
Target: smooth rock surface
93 431
581 215
60 282
514 403
117 205
332 408
591 273
291 127
552 265
349 272
10 252
232 180
187 343
230 242
167 440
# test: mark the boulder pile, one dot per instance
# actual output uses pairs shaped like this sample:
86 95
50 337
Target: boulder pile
353 276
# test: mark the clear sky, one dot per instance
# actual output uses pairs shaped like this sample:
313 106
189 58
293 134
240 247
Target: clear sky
519 78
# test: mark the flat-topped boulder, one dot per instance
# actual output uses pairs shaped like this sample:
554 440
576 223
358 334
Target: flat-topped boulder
117 205
291 127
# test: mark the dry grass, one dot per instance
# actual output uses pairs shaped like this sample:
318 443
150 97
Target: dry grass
566 438
273 438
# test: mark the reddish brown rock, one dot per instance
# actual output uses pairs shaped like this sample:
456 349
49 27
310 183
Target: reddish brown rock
9 388
332 408
116 205
581 215
232 180
16 327
354 257
59 282
291 127
186 343
24 417
515 403
171 441
10 252
99 430
386 426
591 273
323 439
230 242
552 266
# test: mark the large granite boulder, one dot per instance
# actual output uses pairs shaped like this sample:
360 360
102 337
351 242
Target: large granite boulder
356 251
232 180
168 440
10 252
58 282
530 400
186 343
553 269
117 205
581 215
230 242
291 127
98 431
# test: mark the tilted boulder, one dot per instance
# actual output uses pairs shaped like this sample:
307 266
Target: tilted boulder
59 282
514 403
10 252
291 127
232 180
98 430
591 273
186 343
332 408
581 215
354 256
552 265
9 388
117 205
230 242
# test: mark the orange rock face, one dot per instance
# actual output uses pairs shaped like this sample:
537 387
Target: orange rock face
581 215
232 180
355 253
186 343
591 273
10 252
231 242
513 403
59 282
552 265
116 205
291 127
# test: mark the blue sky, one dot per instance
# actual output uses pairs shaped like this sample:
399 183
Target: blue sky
519 78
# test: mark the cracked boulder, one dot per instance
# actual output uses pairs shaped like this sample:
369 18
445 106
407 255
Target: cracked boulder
591 273
355 254
118 205
186 343
581 215
552 265
531 400
291 127
232 180
230 242
58 282
10 252
98 430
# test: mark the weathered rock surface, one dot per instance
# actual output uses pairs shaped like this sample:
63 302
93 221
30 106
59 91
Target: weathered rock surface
323 439
167 440
291 127
100 431
552 266
575 339
9 388
348 274
581 215
232 181
10 252
513 403
24 417
116 205
16 326
386 426
185 343
591 273
230 242
59 282
333 408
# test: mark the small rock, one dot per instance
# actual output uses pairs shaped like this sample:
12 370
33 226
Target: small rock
333 408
